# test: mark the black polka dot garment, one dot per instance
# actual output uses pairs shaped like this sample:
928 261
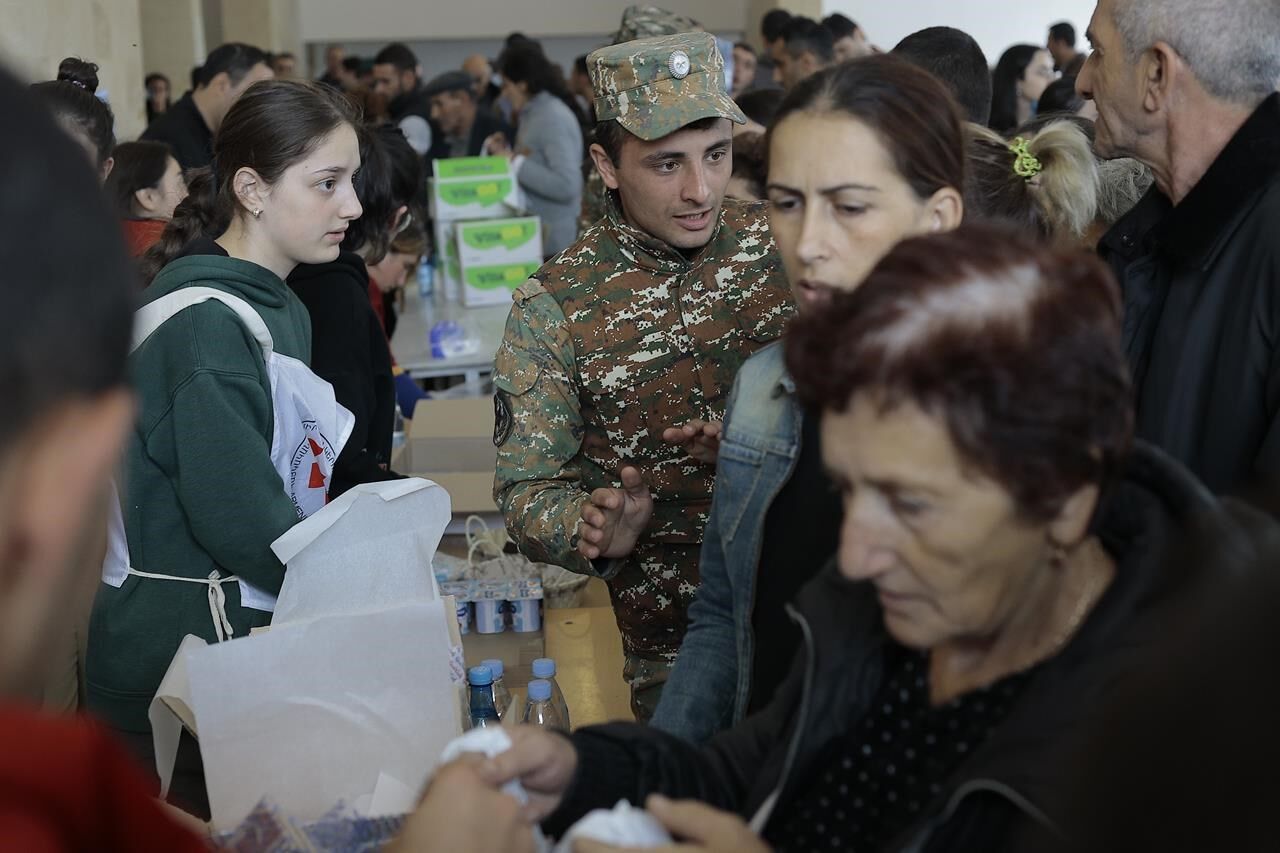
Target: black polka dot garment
883 776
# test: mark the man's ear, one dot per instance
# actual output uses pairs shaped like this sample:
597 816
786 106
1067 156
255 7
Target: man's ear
219 83
605 166
104 170
1159 67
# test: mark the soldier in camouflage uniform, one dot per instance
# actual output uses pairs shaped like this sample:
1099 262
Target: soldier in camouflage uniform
637 22
639 327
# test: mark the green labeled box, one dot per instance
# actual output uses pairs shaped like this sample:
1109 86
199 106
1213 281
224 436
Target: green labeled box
495 241
448 266
473 188
497 256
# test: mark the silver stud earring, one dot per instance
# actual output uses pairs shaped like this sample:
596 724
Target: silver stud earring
257 214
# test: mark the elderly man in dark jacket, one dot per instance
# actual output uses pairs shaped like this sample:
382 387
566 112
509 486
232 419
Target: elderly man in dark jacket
1198 259
465 125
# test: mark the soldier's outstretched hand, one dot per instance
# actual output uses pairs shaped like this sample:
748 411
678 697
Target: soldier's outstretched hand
612 522
700 438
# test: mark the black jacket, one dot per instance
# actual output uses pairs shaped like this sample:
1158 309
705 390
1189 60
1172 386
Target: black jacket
1010 787
350 352
486 125
182 128
416 104
1201 285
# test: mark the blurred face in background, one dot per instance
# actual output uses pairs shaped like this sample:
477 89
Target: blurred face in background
455 112
480 71
333 59
391 273
744 69
852 47
158 91
517 94
390 82
284 66
1037 77
158 202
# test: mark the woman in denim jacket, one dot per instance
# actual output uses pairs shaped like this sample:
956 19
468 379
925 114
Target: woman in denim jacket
860 158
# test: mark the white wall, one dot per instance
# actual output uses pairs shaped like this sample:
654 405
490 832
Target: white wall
36 36
431 20
172 40
996 24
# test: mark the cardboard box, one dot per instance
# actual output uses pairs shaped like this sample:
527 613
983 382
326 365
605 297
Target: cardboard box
492 242
447 263
497 256
474 188
494 284
453 440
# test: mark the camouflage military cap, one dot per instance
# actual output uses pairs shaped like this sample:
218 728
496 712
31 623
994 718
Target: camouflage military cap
642 22
653 87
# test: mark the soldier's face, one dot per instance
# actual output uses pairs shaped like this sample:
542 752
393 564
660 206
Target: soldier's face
672 187
834 218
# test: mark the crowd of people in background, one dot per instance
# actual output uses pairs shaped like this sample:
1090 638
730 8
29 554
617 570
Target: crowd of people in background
910 405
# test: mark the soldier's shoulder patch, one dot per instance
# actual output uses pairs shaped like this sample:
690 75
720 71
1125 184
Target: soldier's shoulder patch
503 420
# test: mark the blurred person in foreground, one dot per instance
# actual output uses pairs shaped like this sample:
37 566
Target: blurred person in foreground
64 784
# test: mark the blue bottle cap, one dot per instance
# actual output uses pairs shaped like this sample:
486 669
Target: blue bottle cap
480 675
539 691
495 666
544 668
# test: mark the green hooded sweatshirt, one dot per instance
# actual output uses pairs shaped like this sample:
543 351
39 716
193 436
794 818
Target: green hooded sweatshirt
198 490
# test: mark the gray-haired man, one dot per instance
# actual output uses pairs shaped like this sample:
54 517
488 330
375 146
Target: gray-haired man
1188 87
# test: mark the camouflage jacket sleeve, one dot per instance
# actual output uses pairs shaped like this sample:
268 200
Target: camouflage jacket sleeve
538 431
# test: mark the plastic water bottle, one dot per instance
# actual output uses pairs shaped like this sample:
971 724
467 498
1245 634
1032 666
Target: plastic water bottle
545 669
426 277
539 710
483 713
501 695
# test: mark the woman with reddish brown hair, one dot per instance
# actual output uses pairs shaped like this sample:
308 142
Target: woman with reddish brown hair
1004 542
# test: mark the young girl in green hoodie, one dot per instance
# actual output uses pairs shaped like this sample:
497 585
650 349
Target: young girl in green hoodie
235 437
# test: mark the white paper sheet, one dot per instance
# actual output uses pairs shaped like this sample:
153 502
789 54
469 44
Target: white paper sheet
391 798
312 714
369 549
349 687
171 710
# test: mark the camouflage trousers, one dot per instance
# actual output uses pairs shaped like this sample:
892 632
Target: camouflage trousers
651 597
646 678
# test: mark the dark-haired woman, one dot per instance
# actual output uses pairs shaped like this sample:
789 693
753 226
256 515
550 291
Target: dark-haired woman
235 436
1020 78
547 159
146 185
349 348
79 112
1003 554
773 516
